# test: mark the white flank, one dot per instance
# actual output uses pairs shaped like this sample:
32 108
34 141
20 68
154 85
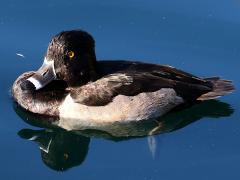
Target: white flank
75 116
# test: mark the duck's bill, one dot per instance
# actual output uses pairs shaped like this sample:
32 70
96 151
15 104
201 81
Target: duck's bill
44 75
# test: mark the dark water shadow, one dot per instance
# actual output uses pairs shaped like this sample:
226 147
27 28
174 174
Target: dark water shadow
61 149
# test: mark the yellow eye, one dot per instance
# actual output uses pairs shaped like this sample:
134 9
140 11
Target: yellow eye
71 55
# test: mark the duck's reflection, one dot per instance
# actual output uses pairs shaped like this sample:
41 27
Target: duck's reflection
61 150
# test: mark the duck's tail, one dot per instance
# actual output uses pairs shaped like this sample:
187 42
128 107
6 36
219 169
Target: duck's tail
220 88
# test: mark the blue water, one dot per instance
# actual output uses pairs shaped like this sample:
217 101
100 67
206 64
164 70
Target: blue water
201 37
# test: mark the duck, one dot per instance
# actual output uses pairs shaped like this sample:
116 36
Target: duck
78 92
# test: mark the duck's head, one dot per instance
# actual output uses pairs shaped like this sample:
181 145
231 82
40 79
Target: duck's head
70 57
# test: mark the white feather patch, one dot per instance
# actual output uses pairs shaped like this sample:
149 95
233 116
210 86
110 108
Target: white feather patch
75 116
35 82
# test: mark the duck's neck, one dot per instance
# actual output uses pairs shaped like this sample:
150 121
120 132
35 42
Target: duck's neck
92 64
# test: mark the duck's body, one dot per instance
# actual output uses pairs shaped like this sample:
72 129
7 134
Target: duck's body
103 92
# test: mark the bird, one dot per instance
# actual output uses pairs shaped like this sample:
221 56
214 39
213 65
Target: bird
78 91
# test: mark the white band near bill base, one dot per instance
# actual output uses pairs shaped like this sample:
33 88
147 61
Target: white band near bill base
35 82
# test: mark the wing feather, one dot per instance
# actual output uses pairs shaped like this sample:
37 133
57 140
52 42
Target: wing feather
138 78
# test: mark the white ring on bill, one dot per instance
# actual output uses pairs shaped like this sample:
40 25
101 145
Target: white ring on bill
35 82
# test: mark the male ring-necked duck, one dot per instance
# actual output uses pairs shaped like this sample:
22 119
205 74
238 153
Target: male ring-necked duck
81 92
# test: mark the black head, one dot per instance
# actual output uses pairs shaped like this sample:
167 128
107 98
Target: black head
70 57
73 53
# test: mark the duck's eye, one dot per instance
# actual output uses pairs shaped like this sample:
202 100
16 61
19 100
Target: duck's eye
70 55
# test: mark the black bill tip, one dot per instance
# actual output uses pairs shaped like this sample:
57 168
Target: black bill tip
27 86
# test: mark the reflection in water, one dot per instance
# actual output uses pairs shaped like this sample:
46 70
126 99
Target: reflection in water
61 150
152 144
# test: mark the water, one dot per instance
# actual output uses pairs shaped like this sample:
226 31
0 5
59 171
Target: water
199 37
